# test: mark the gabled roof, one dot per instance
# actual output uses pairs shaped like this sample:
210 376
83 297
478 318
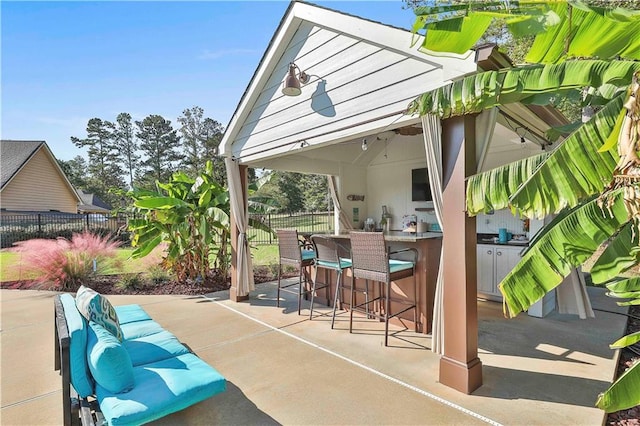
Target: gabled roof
14 155
92 203
363 76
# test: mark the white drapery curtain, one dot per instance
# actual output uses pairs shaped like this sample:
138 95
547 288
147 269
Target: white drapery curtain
485 125
432 131
572 297
345 223
240 213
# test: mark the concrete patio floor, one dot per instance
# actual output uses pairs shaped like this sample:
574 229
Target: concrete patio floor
284 369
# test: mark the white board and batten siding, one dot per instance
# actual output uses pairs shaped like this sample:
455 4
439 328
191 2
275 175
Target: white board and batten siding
363 76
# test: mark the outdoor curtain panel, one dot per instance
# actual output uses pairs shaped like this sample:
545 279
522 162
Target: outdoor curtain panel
345 223
240 213
432 132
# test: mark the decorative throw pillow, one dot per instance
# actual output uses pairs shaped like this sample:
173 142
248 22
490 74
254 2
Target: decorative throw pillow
108 359
95 307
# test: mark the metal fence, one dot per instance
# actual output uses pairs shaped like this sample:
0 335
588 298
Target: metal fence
303 222
21 227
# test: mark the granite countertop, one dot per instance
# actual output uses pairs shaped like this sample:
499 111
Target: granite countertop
399 236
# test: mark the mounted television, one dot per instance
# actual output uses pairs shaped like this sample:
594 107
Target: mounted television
420 189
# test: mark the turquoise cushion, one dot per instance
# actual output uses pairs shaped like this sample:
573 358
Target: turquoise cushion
133 330
399 265
130 313
95 307
162 388
154 347
344 263
77 326
308 254
108 360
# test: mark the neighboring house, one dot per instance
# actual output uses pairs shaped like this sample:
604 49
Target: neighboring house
32 180
91 203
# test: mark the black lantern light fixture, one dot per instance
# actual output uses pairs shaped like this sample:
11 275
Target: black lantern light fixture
291 85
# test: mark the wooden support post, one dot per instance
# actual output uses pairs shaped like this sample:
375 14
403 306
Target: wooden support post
460 367
233 291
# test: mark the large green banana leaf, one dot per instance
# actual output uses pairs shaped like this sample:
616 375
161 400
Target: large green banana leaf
562 29
621 254
623 393
628 340
487 89
587 34
566 244
627 285
575 170
492 189
548 183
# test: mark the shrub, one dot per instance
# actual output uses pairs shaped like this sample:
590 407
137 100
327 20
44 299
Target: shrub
157 275
68 263
130 281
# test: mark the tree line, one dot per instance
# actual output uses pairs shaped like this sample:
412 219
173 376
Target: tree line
124 154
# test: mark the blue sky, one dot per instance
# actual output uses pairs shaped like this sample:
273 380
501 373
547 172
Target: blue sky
66 62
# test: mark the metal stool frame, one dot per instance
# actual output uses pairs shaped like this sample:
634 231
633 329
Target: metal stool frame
290 249
328 257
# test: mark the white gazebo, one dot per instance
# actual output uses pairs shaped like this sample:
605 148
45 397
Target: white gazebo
360 78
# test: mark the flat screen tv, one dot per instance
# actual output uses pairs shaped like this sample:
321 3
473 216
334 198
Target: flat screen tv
420 190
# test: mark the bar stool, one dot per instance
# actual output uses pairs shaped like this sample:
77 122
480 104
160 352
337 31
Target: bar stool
372 261
328 257
295 253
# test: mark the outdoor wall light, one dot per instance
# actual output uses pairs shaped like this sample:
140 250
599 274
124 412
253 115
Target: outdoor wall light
364 145
522 139
291 85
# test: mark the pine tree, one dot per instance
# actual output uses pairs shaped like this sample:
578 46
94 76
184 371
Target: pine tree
126 144
200 139
104 169
159 144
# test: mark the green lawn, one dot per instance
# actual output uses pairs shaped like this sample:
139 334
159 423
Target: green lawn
11 268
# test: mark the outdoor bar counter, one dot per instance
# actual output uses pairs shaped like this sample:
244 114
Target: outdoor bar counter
428 245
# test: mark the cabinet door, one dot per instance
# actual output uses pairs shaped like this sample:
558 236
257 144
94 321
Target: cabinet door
506 259
486 281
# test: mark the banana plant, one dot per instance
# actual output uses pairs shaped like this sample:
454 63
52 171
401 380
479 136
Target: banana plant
624 391
592 180
563 29
192 217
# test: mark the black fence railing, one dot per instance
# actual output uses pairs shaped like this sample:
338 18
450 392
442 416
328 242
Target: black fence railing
22 227
303 222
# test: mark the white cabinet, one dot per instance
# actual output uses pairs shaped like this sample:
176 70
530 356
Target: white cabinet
494 263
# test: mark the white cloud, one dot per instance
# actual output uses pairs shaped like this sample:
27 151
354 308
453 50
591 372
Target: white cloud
216 54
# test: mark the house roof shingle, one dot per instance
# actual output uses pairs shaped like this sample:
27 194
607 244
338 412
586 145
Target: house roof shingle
92 203
13 155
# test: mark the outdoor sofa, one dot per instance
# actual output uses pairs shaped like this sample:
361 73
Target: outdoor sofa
122 367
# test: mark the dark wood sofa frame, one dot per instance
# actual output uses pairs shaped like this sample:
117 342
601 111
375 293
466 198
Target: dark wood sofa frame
75 410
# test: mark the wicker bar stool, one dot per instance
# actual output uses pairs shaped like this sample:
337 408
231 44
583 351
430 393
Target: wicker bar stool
295 253
328 257
371 261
